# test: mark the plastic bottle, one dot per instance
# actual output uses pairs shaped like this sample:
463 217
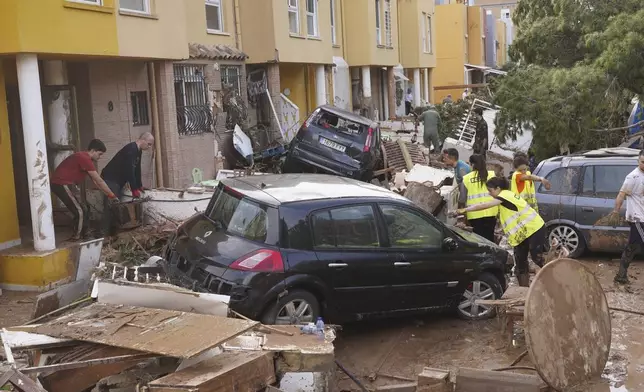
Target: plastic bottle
319 326
309 329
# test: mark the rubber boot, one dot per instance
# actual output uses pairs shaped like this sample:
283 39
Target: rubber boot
524 280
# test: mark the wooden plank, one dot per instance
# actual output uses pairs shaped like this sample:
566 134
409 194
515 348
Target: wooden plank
166 332
24 340
434 380
476 380
77 380
405 154
230 371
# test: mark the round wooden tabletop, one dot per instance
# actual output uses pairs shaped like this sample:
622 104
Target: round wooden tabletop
567 324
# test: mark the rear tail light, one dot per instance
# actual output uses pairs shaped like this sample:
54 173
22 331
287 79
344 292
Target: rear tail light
263 260
367 143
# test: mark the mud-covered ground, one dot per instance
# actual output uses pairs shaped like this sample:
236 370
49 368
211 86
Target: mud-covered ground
402 347
405 346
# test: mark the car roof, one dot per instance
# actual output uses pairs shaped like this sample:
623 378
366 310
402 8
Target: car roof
276 189
347 114
603 155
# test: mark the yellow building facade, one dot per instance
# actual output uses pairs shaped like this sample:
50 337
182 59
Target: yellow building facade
461 45
74 70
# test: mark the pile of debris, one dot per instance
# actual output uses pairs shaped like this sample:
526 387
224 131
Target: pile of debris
158 338
130 248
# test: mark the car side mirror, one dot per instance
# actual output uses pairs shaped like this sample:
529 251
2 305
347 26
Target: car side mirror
450 244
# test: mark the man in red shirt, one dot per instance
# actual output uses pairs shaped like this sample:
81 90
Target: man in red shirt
69 174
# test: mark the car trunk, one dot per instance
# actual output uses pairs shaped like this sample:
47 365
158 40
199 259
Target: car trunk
208 244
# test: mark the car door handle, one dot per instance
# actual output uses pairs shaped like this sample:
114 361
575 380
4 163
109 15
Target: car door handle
587 209
402 264
338 265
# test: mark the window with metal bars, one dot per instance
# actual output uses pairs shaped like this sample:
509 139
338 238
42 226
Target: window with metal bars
231 77
191 95
140 111
388 33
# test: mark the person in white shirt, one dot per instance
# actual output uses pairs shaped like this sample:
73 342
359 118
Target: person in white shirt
633 192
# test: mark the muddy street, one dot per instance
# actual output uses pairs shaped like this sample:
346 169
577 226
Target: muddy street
398 349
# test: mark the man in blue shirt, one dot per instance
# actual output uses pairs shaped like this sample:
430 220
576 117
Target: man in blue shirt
460 167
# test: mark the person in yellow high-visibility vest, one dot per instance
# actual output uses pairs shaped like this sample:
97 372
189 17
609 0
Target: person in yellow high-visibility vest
525 229
522 182
474 191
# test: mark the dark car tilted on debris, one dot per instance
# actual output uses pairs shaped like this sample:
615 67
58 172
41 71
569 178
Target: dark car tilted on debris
335 141
291 247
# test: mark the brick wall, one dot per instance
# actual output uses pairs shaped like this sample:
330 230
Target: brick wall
183 153
168 124
111 83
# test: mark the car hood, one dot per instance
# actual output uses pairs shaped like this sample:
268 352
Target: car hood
473 237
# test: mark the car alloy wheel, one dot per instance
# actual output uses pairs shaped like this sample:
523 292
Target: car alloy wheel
297 311
475 291
567 237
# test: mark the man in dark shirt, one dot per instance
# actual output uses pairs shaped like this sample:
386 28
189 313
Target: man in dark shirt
125 168
481 139
71 172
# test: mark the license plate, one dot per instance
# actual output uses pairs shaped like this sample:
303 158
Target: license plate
332 144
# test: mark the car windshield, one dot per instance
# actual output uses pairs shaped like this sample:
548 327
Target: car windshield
238 215
341 125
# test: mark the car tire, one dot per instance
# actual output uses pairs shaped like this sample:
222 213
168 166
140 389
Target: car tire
279 312
570 237
478 289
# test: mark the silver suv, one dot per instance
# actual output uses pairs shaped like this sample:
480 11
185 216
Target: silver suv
584 188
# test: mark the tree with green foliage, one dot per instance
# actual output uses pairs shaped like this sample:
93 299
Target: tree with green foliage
578 65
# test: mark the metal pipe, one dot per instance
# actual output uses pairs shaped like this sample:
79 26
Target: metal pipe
237 22
156 131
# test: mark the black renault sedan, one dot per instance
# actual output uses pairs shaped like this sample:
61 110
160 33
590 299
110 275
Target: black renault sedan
288 248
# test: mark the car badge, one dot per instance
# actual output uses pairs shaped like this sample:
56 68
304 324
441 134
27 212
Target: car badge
207 234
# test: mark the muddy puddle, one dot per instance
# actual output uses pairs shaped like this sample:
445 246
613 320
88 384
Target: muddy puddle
399 349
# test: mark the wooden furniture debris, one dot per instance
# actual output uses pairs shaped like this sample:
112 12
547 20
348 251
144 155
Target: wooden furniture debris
297 353
476 380
509 308
230 371
164 332
85 365
405 153
434 380
566 296
19 381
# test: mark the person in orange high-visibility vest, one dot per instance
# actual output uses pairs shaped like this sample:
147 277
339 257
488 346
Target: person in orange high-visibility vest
522 182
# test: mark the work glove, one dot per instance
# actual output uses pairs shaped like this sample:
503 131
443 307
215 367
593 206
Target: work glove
454 214
112 198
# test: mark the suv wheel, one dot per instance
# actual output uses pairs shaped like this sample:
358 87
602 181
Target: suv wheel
570 238
486 286
297 307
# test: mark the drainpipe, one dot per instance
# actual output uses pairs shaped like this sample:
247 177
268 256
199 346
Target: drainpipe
237 22
152 81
